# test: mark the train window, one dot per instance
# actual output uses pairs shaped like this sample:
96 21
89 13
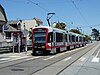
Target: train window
73 38
84 39
80 39
39 37
77 39
59 37
50 37
70 38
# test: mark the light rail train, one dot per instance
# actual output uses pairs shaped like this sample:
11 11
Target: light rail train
52 40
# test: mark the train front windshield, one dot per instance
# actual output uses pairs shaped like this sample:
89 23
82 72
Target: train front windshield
39 37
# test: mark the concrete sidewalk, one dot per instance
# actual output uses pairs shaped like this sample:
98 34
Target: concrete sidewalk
7 57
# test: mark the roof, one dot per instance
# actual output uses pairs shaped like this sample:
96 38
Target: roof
13 22
51 29
11 29
3 18
39 20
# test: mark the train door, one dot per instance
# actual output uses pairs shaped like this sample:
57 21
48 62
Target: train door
80 40
52 42
77 41
71 44
64 41
73 40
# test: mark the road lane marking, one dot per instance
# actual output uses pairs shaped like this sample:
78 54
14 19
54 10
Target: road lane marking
82 58
97 53
55 56
60 54
63 53
32 58
68 58
49 58
95 59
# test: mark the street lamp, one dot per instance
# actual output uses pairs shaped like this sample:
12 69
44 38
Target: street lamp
49 15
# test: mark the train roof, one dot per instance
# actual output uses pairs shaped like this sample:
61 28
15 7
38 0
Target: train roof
76 34
51 29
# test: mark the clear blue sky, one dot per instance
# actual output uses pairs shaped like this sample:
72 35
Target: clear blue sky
81 13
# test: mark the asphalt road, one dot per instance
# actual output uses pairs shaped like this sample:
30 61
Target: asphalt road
84 60
88 64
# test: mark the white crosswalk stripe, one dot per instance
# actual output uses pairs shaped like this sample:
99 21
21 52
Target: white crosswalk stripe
95 59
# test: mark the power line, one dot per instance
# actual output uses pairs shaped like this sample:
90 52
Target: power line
65 21
73 2
91 26
38 5
47 11
54 2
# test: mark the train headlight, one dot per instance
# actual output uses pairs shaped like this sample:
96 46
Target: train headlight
43 46
35 46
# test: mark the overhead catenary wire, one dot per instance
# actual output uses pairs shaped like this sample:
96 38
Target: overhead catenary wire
73 2
69 24
38 5
47 11
54 2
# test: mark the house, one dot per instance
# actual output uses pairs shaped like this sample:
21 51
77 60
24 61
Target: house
22 26
3 18
15 32
31 23
3 21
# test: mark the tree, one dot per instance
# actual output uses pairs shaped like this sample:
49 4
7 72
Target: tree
75 31
87 37
60 26
95 33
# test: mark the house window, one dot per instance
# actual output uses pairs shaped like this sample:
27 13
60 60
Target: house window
8 35
19 26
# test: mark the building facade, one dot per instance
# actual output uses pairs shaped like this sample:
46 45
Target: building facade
21 25
28 24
